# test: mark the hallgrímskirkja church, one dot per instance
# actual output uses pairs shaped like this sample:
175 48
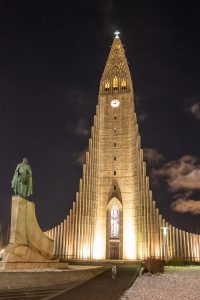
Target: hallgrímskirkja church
114 215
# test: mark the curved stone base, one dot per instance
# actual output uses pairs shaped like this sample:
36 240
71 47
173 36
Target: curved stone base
27 243
46 278
33 265
22 253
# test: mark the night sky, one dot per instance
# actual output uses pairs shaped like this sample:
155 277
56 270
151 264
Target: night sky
52 55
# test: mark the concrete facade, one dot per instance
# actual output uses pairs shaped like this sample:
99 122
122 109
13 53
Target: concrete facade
114 176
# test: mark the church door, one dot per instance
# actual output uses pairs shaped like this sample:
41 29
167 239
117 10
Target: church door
114 250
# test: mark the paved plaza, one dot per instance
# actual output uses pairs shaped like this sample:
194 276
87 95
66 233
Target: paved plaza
101 287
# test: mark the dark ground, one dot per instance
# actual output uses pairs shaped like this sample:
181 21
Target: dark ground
102 287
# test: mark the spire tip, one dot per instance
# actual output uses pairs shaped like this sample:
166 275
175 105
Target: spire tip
116 34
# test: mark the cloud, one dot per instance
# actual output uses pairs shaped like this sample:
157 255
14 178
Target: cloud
182 174
195 110
192 106
137 99
110 16
183 178
152 156
186 205
80 158
79 97
141 117
183 194
81 128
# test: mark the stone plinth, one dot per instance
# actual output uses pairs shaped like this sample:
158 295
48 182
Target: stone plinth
28 243
19 280
33 265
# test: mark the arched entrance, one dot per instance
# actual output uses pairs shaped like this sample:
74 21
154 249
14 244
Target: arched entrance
114 235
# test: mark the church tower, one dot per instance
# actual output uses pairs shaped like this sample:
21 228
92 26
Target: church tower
114 215
117 178
117 183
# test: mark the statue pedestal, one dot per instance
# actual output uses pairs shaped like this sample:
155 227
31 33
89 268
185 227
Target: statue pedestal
29 247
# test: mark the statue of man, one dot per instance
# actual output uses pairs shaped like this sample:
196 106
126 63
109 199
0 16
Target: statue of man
22 179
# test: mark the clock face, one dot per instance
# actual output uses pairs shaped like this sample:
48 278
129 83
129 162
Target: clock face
115 103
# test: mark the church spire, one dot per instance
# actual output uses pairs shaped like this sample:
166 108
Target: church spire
116 78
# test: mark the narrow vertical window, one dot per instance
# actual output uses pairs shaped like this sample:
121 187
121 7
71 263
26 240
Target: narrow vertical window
115 172
114 234
115 144
114 187
115 158
123 84
115 83
107 85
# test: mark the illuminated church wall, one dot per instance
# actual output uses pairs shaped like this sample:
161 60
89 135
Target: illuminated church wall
114 214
